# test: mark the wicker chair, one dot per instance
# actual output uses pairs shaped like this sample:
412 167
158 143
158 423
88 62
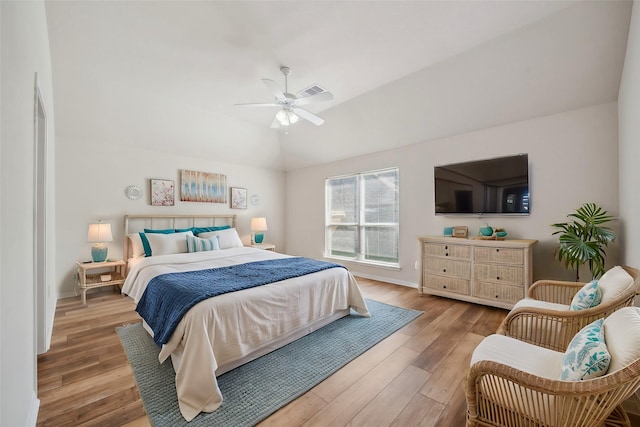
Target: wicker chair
515 384
544 318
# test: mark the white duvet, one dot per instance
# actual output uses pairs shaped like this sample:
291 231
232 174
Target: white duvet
220 333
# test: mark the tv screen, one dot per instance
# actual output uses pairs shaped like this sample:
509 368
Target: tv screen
491 186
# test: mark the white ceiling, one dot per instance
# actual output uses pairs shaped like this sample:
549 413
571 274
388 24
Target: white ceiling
165 75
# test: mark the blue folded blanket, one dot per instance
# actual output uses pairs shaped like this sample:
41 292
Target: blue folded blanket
169 296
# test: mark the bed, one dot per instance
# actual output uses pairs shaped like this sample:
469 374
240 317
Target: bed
220 333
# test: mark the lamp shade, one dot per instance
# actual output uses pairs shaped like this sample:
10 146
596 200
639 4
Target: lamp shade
99 233
259 224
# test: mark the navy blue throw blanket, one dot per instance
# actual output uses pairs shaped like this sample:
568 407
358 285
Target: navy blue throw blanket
169 296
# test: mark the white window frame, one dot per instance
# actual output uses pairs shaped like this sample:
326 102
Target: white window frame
360 224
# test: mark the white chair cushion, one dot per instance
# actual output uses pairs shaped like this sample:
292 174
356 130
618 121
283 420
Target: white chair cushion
622 335
614 282
526 357
529 302
587 355
588 296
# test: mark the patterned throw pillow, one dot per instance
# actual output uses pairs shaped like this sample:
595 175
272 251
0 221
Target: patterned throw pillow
196 244
589 296
587 355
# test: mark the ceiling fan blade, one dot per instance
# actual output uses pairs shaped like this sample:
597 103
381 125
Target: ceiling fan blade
274 88
269 104
308 116
324 96
275 124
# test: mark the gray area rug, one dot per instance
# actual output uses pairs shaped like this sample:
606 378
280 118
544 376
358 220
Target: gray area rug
257 389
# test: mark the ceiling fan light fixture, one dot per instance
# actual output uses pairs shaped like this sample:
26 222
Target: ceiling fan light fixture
286 117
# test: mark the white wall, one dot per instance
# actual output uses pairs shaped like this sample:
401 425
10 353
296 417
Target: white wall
91 179
573 159
25 51
629 144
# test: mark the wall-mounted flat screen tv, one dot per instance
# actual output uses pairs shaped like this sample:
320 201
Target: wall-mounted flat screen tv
492 186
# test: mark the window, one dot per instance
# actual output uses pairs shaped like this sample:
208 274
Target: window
363 216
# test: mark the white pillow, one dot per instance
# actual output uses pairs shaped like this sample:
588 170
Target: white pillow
135 246
227 238
614 282
166 244
622 334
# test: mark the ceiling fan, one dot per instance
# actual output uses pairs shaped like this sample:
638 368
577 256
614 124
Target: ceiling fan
290 104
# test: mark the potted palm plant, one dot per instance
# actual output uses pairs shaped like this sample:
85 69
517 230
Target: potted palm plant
583 239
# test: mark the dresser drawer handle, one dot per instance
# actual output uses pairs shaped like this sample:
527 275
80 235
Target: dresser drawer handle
446 247
497 296
497 250
444 270
446 254
444 286
498 278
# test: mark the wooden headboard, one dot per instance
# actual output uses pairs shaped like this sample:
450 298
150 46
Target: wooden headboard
137 223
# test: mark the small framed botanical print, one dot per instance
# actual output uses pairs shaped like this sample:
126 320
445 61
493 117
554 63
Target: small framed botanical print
162 192
238 198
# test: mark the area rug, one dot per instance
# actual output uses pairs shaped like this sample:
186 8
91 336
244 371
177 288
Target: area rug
259 388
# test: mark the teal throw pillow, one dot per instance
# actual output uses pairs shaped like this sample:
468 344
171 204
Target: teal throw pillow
587 355
589 296
196 244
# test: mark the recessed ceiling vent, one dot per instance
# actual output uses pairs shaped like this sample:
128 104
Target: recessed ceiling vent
311 90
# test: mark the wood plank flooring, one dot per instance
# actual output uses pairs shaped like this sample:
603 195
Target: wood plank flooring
412 378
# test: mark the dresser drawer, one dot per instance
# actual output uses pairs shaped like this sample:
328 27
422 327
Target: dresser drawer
499 274
447 267
498 292
447 250
499 255
448 284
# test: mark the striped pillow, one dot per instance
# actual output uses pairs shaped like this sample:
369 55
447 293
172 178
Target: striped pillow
196 244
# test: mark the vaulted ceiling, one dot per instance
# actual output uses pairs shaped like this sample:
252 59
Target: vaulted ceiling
165 75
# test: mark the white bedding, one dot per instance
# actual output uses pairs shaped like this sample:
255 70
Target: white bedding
223 332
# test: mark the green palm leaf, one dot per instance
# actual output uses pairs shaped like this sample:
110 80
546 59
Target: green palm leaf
582 240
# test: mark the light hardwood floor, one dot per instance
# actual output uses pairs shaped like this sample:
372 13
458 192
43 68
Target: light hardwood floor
414 377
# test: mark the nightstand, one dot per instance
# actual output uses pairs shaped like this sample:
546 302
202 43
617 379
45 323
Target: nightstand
266 246
110 273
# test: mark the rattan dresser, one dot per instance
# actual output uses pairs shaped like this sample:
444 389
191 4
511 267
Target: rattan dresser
488 272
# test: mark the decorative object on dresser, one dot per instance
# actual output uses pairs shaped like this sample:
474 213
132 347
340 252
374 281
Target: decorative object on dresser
203 187
110 273
162 192
488 272
99 234
257 226
238 198
460 231
582 240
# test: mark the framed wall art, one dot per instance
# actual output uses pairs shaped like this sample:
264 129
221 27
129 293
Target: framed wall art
203 187
238 198
162 192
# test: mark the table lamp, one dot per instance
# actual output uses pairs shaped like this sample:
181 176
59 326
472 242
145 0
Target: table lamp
258 225
98 234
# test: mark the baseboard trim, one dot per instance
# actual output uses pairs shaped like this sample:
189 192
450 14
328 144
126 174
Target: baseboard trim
385 279
34 407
